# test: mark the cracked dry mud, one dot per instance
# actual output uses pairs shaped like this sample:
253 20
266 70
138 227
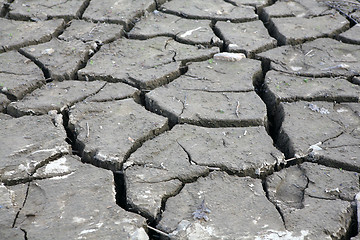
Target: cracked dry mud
120 120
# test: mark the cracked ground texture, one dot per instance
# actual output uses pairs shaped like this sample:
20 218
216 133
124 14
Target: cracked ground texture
196 119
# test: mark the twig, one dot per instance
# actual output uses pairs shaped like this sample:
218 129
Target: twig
237 109
352 2
158 231
309 52
214 168
342 12
88 130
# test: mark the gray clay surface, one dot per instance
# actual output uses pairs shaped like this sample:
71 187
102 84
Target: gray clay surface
25 148
184 30
296 30
54 96
260 220
115 91
289 88
294 8
307 193
249 38
60 59
150 68
309 124
16 34
352 35
77 211
114 11
121 126
319 58
43 10
180 120
188 152
19 75
210 9
87 31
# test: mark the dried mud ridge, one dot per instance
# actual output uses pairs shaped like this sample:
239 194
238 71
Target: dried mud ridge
220 119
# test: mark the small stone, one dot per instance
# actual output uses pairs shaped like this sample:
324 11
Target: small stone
230 57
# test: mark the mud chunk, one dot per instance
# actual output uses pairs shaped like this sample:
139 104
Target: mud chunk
304 127
289 88
43 10
294 8
352 35
60 59
88 31
316 58
213 10
143 64
18 75
296 30
24 148
342 151
330 183
210 109
188 152
17 34
146 195
220 76
76 202
114 11
54 96
218 188
231 149
249 38
314 198
212 93
184 30
107 132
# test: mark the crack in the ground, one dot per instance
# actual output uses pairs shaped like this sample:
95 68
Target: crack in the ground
306 186
119 181
23 204
191 161
225 44
43 68
266 191
25 233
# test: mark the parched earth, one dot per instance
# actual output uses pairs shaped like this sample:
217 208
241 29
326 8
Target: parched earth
199 119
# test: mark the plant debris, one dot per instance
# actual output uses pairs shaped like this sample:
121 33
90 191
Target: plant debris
315 108
201 212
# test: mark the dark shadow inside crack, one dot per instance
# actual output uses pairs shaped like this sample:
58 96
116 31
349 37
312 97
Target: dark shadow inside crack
77 148
275 114
25 233
23 204
83 8
225 44
120 190
5 8
43 68
353 229
269 25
